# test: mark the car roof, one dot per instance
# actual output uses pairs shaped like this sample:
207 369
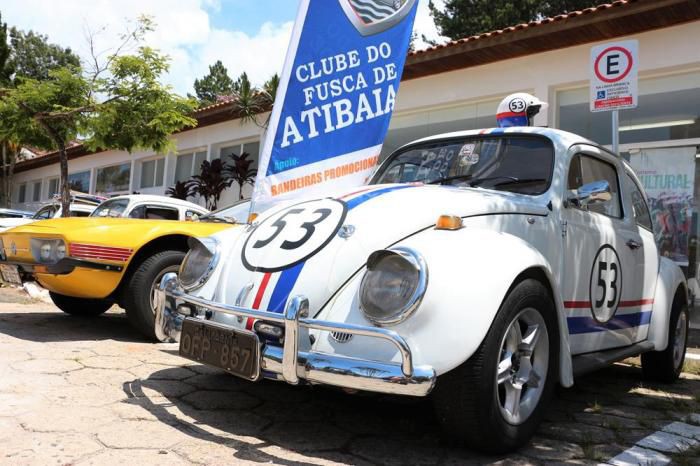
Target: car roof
162 199
78 207
561 137
16 212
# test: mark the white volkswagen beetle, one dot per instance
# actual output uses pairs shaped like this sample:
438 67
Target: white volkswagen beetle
483 267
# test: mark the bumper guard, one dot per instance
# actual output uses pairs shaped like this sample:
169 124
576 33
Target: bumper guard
288 362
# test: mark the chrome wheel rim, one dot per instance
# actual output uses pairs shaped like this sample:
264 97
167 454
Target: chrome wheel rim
681 334
522 367
156 282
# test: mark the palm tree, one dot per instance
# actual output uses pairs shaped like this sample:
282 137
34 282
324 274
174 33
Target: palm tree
241 172
212 180
248 101
180 190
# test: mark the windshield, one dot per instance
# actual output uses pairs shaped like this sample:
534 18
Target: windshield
521 164
236 213
113 208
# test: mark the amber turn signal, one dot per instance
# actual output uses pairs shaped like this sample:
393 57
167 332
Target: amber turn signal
252 217
448 222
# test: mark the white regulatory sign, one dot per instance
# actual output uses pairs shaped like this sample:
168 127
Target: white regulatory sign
613 76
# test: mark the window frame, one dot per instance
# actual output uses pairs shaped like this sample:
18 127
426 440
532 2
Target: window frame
614 165
194 168
155 173
636 184
22 193
49 194
119 191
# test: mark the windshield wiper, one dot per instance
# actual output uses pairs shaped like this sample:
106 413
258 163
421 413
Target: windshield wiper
450 178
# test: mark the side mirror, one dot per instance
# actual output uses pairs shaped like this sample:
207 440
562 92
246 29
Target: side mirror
593 193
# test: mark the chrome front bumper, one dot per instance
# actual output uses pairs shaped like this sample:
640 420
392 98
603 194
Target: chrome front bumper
294 360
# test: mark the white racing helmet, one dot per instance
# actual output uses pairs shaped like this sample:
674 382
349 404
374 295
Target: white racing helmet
518 110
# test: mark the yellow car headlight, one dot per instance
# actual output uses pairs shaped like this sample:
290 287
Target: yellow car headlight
47 251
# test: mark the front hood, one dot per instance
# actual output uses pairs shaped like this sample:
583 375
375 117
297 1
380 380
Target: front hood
313 247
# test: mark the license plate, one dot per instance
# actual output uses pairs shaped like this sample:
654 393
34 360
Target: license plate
10 274
235 351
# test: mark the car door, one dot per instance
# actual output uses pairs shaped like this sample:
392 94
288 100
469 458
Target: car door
599 268
645 252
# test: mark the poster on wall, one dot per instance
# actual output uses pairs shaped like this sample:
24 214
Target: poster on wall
668 176
336 96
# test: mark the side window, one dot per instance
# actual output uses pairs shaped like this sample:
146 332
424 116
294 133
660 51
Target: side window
138 212
46 212
639 205
79 213
161 213
586 169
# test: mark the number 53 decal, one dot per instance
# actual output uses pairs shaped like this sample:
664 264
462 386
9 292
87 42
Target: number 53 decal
606 283
293 235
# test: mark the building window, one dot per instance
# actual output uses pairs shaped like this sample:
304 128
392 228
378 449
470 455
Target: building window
53 188
188 164
152 173
79 181
22 193
669 108
36 191
113 179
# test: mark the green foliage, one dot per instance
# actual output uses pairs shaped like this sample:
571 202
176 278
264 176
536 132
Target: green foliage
212 180
241 172
5 68
120 104
180 190
34 57
138 112
464 18
248 101
214 85
270 88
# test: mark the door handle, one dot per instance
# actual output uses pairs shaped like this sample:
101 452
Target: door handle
632 244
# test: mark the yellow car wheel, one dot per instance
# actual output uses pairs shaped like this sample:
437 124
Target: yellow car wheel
137 297
80 306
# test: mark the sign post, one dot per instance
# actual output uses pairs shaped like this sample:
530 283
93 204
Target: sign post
613 77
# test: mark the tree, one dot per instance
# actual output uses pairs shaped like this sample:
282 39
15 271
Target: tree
33 56
212 180
5 67
464 18
214 85
240 172
180 190
115 104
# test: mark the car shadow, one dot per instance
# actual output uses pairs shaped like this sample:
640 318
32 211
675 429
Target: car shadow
606 413
56 326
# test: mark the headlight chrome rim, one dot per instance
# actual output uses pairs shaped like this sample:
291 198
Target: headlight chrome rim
416 260
213 246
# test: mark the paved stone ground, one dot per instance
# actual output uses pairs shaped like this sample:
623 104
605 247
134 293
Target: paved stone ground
91 392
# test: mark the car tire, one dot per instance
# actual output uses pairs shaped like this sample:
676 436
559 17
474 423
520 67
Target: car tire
137 296
666 366
471 404
81 307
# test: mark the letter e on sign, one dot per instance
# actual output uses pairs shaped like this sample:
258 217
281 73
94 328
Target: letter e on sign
613 76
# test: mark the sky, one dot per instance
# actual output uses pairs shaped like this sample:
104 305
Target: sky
246 35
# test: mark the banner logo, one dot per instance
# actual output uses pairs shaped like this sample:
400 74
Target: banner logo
335 99
374 16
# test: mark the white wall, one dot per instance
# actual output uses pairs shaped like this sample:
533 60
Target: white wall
662 51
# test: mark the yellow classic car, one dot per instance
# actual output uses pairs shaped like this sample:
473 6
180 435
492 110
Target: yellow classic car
88 264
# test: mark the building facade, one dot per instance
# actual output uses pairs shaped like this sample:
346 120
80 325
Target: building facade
458 86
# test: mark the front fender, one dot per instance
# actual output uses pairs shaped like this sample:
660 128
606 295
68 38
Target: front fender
670 278
470 271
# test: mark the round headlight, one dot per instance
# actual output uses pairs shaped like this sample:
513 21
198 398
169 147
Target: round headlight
199 262
45 251
393 285
60 251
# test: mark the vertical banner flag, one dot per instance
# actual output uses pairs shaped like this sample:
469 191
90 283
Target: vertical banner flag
335 97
